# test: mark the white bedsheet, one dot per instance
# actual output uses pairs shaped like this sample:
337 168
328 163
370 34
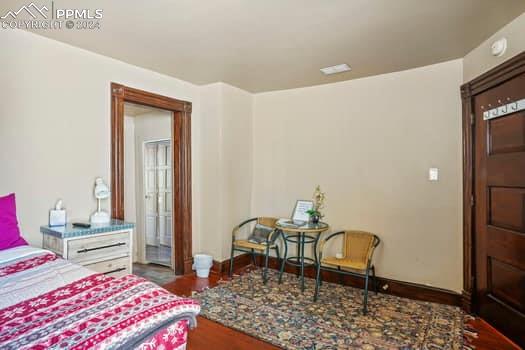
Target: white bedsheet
27 284
16 253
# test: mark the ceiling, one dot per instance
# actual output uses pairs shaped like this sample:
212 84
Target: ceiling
279 44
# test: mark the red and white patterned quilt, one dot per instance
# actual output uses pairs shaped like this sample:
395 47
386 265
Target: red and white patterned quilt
27 264
95 312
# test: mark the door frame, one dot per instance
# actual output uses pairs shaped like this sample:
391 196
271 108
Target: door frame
505 71
181 162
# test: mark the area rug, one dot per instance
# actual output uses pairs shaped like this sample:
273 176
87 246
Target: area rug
285 317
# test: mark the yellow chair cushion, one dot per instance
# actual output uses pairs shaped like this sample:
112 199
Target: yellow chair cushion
250 245
270 222
358 246
345 263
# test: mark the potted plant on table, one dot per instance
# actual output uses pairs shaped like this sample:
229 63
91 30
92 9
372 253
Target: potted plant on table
315 213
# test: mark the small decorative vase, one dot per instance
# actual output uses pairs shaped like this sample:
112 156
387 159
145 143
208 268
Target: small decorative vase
315 219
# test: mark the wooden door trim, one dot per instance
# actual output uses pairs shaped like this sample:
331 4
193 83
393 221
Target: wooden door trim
498 75
181 160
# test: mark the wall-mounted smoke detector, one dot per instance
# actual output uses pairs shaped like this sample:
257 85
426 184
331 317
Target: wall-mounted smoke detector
499 47
340 68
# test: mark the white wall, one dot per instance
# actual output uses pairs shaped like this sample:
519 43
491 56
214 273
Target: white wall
55 136
369 143
55 139
55 125
227 137
211 191
237 135
371 140
481 60
130 202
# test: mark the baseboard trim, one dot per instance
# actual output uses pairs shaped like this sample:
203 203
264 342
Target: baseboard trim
223 268
385 285
466 301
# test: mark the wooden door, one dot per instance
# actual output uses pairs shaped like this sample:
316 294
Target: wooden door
499 226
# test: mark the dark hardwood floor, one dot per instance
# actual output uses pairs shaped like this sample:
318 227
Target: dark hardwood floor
210 335
489 338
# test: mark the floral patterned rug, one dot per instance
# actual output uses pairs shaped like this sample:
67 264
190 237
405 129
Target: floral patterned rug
283 316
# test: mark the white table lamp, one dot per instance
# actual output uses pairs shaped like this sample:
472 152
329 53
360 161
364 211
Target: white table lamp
101 192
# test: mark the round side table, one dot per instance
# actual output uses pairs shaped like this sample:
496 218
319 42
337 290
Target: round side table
308 233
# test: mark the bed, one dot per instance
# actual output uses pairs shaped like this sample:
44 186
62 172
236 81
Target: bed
49 303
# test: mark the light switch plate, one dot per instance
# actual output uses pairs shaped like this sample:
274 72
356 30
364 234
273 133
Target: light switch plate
433 174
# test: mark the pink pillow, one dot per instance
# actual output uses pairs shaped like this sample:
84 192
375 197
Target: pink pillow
9 231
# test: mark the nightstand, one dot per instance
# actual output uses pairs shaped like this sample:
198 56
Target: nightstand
102 248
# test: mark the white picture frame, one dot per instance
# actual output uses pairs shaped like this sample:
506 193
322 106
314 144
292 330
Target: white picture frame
300 210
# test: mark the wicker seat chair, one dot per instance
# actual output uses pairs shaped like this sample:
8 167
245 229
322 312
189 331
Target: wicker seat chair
358 248
260 249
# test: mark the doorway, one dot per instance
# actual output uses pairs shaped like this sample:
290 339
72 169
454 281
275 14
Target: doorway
175 194
148 182
494 198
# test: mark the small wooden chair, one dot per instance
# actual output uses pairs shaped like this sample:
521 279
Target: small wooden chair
262 249
358 247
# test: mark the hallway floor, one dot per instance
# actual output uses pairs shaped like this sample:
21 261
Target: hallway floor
159 254
155 273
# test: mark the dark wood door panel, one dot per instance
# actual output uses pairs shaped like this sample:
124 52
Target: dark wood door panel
509 91
507 208
506 245
507 284
507 134
501 169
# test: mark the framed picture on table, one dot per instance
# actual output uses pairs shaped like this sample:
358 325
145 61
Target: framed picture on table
300 212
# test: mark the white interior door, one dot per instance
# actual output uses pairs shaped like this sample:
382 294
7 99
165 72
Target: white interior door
163 169
158 197
150 194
